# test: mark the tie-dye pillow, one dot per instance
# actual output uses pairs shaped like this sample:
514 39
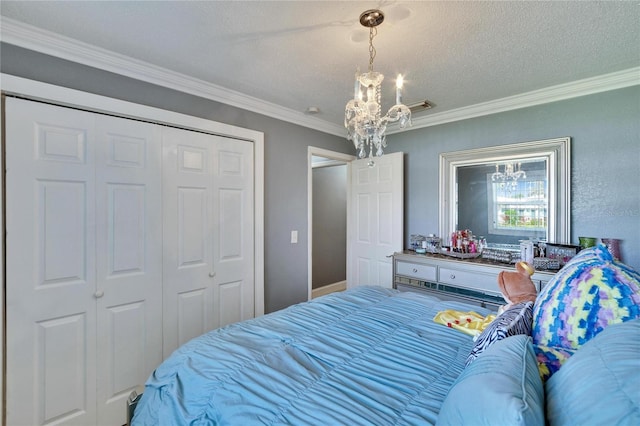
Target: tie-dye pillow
591 292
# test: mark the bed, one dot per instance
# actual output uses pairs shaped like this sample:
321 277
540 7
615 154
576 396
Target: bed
374 356
365 356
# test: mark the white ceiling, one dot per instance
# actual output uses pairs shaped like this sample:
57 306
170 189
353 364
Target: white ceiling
289 55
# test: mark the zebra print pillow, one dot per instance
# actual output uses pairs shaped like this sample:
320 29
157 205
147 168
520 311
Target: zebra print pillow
517 319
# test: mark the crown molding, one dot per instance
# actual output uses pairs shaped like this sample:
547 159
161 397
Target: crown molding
33 38
587 86
39 40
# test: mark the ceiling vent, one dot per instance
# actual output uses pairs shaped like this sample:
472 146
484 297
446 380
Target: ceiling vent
419 107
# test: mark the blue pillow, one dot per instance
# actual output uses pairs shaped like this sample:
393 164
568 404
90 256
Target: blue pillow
501 387
599 384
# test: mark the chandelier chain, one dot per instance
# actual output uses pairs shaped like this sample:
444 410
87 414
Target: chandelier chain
373 31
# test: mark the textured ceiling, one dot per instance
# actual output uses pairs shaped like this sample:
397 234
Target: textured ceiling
297 54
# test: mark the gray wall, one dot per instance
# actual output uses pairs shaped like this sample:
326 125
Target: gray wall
286 279
605 161
604 128
329 225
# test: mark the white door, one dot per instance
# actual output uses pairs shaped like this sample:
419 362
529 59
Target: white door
84 263
129 261
375 224
208 234
188 271
233 246
51 280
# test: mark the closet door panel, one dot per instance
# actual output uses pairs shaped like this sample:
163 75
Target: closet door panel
192 215
129 267
50 272
188 272
233 241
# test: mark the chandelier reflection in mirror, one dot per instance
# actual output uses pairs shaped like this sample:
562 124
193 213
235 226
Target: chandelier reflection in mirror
509 177
366 127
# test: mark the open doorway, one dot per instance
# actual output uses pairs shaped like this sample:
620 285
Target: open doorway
328 182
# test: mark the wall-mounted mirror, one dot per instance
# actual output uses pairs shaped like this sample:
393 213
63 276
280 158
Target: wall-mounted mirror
508 193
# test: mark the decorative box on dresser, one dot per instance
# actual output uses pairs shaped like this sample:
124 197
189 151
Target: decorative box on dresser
449 278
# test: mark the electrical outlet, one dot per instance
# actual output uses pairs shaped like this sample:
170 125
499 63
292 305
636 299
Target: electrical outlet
294 237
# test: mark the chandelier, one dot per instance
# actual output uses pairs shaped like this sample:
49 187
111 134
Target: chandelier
509 177
366 127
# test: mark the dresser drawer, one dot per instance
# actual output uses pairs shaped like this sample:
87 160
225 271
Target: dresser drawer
415 270
470 279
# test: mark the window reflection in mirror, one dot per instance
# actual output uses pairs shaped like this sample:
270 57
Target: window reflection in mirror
504 210
536 205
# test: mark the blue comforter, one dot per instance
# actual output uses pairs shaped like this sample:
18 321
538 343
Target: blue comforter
368 356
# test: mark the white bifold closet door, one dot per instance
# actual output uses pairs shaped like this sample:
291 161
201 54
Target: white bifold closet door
84 263
128 259
124 240
208 234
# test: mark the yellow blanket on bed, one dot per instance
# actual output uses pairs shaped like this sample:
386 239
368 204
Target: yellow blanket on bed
468 322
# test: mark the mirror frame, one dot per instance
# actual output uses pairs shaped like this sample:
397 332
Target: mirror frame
557 153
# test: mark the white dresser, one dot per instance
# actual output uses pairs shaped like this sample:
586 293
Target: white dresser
469 280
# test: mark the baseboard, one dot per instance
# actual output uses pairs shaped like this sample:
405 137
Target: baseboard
329 288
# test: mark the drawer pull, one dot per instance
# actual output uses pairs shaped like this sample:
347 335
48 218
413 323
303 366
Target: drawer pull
452 276
415 270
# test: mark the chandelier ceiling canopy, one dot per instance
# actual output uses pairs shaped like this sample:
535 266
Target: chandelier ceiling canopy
366 127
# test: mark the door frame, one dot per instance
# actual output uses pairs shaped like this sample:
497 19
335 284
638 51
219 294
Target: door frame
332 155
2 262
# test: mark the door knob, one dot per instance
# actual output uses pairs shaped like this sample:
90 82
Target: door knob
98 294
212 274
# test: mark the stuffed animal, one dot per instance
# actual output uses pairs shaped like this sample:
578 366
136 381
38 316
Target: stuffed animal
517 287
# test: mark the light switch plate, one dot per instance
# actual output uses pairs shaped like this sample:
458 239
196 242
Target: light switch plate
294 237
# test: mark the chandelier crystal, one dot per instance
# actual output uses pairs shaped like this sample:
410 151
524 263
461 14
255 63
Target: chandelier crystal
509 177
366 127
